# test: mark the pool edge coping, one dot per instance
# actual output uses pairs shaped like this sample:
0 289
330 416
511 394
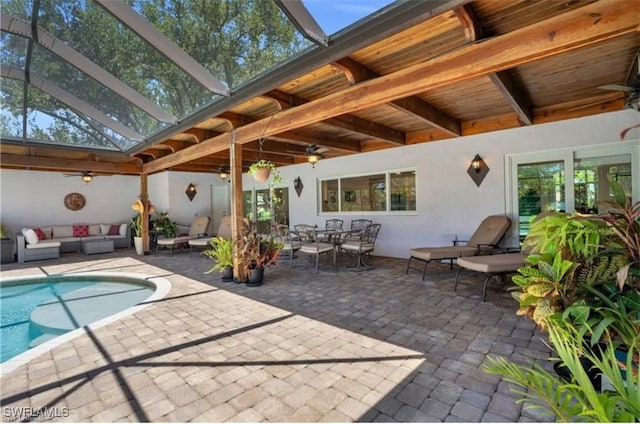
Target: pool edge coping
162 288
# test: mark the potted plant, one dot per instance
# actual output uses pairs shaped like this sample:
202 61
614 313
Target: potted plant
222 253
261 170
583 287
136 223
136 232
164 225
257 252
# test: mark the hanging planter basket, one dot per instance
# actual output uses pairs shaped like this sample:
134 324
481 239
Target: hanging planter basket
262 174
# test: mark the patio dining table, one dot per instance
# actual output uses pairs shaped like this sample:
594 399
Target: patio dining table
336 237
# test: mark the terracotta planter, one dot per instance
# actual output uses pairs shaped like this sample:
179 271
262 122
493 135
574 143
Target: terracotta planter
262 174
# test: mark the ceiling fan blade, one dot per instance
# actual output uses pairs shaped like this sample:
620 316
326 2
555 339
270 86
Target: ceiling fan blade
322 150
616 87
595 103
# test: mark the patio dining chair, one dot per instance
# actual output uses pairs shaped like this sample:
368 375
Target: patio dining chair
290 242
310 244
331 226
364 246
484 239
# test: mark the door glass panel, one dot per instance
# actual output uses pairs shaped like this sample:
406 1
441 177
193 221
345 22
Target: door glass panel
540 188
591 180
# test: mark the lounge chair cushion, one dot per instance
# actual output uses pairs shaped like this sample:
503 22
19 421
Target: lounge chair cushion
175 240
490 231
200 242
494 264
444 252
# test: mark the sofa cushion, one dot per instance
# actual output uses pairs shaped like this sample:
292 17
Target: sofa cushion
114 230
62 231
30 236
80 230
123 229
41 234
66 239
94 230
44 245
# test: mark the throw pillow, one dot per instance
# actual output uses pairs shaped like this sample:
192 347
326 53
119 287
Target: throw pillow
114 230
30 236
80 230
41 235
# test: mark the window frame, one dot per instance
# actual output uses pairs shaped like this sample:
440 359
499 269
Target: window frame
387 181
568 156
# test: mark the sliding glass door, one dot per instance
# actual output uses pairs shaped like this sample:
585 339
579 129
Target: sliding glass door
568 180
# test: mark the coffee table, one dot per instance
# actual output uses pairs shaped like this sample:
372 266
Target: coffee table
90 247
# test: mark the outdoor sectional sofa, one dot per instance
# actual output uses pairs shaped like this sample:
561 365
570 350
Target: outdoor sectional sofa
49 242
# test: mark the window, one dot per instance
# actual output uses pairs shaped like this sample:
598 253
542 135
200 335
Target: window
383 192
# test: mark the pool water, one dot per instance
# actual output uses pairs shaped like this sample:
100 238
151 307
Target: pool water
33 313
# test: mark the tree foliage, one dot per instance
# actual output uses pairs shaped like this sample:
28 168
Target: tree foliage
235 40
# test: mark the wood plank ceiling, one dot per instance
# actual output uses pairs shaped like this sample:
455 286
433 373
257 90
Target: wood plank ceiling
483 66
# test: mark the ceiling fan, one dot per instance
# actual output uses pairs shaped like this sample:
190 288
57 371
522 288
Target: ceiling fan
315 153
632 84
86 176
630 90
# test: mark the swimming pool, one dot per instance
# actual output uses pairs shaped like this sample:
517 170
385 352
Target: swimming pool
35 311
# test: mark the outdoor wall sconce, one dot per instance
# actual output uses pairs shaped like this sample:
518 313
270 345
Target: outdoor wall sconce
477 170
191 192
298 186
223 173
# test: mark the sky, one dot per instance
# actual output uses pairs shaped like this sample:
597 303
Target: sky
333 15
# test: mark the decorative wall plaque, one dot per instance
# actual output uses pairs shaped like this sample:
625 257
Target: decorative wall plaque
74 201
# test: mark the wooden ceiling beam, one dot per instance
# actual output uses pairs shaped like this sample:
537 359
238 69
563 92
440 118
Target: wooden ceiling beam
68 164
413 105
346 122
199 133
592 23
515 95
277 147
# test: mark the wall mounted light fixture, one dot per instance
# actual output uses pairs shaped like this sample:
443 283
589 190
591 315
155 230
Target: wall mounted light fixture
223 173
191 191
478 169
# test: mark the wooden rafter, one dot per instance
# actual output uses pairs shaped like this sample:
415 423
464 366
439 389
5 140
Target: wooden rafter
60 164
515 95
347 122
578 28
413 105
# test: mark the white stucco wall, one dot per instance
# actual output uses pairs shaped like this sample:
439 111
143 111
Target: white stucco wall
35 198
449 203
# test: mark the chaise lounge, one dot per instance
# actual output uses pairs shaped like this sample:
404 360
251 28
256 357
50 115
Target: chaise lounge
484 239
198 229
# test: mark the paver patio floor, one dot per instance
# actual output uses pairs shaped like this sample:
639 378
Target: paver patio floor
377 345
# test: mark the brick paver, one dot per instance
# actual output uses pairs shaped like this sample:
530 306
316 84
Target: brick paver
377 346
